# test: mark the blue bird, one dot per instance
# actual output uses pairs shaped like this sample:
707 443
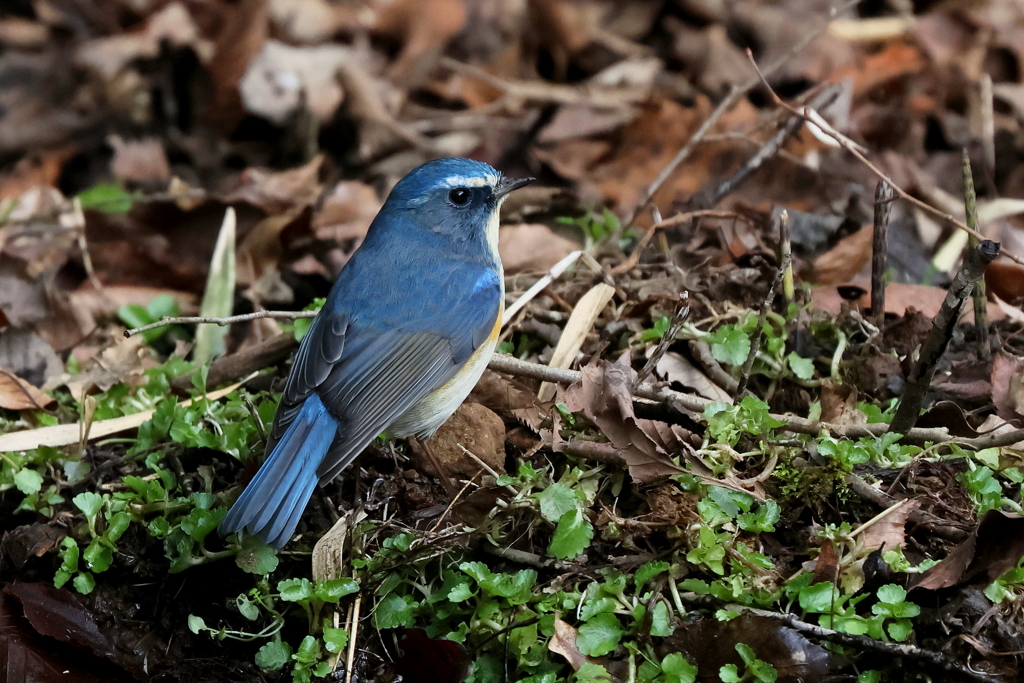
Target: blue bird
406 332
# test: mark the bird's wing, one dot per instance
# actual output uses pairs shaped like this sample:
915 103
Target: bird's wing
321 348
367 377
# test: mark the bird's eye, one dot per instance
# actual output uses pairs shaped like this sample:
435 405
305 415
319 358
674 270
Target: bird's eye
459 196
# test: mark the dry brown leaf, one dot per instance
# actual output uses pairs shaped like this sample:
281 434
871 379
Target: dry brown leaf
944 37
839 404
994 425
346 213
282 79
425 28
604 397
1008 385
1005 279
896 60
574 158
889 532
124 361
582 320
27 355
172 25
23 34
308 21
532 247
38 169
992 549
277 191
843 262
245 30
581 120
329 552
17 394
564 643
507 397
708 56
649 142
674 367
826 566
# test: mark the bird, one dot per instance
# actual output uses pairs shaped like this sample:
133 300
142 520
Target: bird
405 333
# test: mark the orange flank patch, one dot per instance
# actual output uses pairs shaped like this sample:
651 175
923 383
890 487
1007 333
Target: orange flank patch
497 326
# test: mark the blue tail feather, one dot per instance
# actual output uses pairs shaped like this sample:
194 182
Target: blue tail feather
273 502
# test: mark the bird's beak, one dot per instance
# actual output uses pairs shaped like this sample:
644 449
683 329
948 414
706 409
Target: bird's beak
507 185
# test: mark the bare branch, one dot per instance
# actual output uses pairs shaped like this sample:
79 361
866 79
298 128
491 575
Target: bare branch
196 320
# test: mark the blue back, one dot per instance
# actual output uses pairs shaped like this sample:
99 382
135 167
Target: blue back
414 302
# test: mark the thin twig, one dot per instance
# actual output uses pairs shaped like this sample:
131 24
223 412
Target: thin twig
730 100
767 151
687 402
679 316
938 339
853 148
513 366
670 222
755 338
980 295
229 320
83 246
455 499
918 518
880 251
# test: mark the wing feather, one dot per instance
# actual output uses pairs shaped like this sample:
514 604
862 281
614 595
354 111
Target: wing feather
368 377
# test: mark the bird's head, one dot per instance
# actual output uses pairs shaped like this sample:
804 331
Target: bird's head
456 198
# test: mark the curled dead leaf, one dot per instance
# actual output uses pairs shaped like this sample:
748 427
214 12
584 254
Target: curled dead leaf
564 643
992 549
17 394
605 398
1008 385
889 532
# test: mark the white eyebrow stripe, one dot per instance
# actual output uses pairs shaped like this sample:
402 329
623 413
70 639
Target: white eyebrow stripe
488 180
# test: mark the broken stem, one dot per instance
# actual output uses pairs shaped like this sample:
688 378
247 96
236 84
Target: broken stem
980 295
680 315
943 325
786 253
755 338
879 251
